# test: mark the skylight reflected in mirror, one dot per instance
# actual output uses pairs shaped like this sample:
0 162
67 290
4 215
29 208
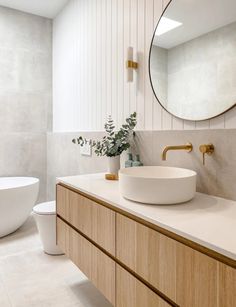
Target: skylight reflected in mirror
166 25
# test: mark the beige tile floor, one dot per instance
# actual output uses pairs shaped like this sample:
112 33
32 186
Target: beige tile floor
30 278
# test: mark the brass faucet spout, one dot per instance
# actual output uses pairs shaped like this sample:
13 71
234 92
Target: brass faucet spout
188 147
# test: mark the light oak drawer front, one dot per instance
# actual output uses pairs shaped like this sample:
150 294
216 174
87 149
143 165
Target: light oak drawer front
97 266
148 253
94 220
130 292
187 277
227 286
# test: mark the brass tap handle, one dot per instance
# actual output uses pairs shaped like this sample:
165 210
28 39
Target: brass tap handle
206 149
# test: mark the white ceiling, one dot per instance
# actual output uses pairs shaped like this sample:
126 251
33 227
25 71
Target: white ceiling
198 17
45 8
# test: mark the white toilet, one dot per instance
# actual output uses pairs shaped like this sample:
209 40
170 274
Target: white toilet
45 217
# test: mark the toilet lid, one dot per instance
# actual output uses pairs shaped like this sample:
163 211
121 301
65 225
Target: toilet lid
45 208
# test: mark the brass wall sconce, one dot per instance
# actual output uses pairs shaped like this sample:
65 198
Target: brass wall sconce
206 149
131 65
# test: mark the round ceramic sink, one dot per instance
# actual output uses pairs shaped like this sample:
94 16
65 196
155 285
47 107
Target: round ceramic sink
157 184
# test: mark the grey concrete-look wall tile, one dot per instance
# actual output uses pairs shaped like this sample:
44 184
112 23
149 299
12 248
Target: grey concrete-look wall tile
64 158
24 31
34 71
218 175
24 154
26 94
4 297
143 146
8 68
23 112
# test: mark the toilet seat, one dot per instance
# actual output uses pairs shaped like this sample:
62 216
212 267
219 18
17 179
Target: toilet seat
47 208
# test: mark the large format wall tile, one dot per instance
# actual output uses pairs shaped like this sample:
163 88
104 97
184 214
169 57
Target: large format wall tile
64 158
24 31
24 154
25 94
216 177
24 112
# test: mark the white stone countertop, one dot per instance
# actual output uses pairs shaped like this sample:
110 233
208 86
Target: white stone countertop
207 220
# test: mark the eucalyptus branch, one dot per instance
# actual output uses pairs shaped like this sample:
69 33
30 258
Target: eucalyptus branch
113 143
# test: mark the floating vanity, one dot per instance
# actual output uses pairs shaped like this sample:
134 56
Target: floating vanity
141 255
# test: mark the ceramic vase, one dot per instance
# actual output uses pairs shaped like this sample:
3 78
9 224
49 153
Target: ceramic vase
113 165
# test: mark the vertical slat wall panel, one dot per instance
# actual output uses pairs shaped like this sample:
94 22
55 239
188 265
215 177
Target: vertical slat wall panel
94 65
140 53
166 117
157 109
90 42
134 44
219 122
120 46
203 125
103 75
126 45
90 65
84 64
98 100
177 123
109 58
189 125
114 62
78 66
149 7
230 119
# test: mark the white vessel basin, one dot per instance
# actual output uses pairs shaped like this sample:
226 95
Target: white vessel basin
157 184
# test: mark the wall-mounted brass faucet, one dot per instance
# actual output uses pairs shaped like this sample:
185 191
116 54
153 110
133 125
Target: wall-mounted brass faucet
206 149
188 147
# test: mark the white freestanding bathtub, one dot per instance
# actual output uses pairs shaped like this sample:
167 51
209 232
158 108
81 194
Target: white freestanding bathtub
17 198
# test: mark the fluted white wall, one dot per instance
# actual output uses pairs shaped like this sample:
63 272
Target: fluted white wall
90 44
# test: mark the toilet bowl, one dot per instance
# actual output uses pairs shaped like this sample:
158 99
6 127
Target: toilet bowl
45 217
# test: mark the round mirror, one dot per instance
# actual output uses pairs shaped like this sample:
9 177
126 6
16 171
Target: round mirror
192 61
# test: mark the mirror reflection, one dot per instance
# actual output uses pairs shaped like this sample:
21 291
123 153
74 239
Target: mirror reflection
193 58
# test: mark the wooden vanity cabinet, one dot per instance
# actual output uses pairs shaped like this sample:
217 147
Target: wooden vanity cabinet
130 292
135 265
96 265
95 221
186 276
227 286
149 254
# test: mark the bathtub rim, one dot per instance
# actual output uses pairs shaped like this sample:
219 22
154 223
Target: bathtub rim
16 182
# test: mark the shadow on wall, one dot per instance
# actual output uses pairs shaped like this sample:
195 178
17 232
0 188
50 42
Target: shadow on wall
64 158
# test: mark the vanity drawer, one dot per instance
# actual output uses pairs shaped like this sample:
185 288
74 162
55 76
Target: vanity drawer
97 266
130 292
184 275
148 253
227 286
92 219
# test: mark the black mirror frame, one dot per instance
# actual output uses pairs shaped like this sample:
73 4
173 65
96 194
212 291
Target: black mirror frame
150 78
